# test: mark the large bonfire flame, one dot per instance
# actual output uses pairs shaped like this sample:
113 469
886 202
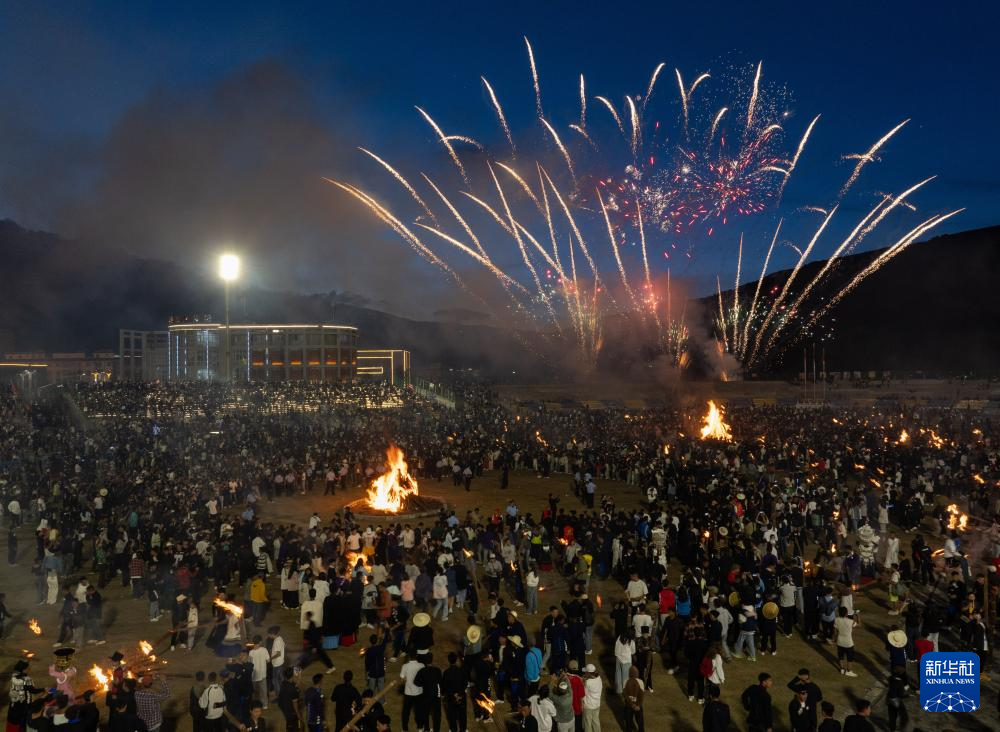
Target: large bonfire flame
390 490
715 428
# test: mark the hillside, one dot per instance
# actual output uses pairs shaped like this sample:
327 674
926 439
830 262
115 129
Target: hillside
934 308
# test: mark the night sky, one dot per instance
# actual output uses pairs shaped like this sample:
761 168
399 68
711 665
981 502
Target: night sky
170 130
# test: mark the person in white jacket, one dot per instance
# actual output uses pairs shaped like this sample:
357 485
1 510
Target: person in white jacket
718 675
542 709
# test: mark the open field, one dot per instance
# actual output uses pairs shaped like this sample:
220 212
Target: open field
126 622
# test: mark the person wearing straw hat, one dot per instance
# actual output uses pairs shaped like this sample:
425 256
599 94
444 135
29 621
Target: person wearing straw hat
472 643
421 635
895 644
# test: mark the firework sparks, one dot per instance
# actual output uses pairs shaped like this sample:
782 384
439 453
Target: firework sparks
447 145
534 77
500 115
866 157
739 168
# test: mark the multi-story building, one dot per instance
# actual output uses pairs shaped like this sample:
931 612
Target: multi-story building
384 364
142 355
196 349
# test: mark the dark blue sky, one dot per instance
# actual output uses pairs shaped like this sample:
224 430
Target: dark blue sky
72 72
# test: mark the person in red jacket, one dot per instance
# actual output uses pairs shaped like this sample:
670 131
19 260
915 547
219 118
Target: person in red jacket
922 645
576 686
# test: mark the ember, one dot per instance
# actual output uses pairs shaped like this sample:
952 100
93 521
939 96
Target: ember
390 490
715 428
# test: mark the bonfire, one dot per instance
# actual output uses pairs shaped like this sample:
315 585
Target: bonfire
390 490
715 428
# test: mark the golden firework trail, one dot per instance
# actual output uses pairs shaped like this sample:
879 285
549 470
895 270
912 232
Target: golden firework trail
561 147
520 245
635 126
583 133
614 113
798 152
715 123
458 217
467 140
489 209
500 115
583 105
617 253
752 107
485 261
897 248
405 183
576 232
399 227
722 314
444 141
865 158
760 282
652 83
684 99
736 297
534 77
547 211
686 94
788 283
642 242
696 82
523 183
899 200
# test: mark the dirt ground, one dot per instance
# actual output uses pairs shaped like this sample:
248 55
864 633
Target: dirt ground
127 623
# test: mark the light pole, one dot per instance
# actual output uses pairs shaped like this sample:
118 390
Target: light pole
229 270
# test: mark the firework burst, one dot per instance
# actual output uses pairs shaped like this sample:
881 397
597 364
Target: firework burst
621 171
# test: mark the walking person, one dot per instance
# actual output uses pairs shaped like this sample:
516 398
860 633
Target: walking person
899 689
593 688
844 631
624 653
756 701
633 697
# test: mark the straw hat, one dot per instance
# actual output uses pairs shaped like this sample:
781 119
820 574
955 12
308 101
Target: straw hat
734 598
516 640
723 531
897 638
421 619
770 610
473 634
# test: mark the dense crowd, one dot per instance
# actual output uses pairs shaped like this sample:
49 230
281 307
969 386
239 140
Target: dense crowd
164 489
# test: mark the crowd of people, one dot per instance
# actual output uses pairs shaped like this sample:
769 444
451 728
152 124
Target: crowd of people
725 546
